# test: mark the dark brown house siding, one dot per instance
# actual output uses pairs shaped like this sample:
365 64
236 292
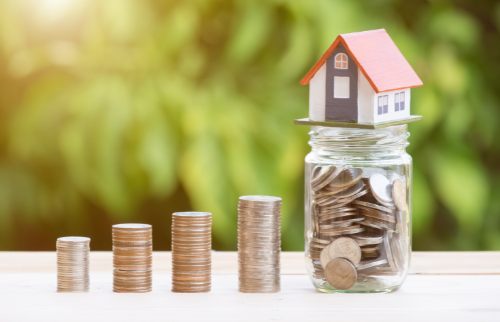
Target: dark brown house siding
341 109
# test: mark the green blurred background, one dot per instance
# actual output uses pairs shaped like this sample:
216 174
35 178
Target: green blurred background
118 111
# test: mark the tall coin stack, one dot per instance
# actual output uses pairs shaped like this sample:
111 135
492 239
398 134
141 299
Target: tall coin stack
132 258
191 252
73 264
259 244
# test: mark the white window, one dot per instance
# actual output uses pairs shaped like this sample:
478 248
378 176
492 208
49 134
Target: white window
383 105
399 101
341 61
340 87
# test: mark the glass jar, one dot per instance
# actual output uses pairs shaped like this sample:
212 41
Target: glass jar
358 194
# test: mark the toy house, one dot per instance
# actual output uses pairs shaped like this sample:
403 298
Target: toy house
362 78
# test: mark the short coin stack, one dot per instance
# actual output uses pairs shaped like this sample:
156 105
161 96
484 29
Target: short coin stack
73 264
259 244
132 258
191 252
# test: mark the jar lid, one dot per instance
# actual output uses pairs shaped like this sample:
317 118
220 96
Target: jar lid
352 125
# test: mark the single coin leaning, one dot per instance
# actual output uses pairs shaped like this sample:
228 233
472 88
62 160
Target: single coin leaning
340 273
399 194
347 248
324 256
380 187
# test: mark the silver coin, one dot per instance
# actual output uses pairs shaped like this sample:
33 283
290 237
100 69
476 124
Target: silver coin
331 176
364 265
320 173
399 194
350 191
368 172
389 205
347 178
378 215
132 226
381 187
192 214
346 248
379 224
324 257
320 241
346 232
328 211
388 253
352 198
341 273
325 201
365 204
337 215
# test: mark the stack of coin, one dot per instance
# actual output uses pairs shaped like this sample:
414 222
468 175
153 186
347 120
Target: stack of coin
333 189
371 251
191 252
132 258
365 204
259 244
73 264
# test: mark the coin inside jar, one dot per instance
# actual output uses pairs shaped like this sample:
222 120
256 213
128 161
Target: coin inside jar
380 186
340 273
346 248
347 178
399 194
345 207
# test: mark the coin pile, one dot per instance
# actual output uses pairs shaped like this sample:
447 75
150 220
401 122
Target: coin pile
191 252
356 215
132 258
73 264
259 244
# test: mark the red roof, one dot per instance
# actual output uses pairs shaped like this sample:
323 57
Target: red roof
377 57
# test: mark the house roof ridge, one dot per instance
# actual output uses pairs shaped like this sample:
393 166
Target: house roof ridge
377 66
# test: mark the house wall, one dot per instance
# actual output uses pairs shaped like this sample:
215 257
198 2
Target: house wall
317 95
392 114
367 100
366 96
341 109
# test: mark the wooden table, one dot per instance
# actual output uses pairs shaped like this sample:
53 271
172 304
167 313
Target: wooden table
442 286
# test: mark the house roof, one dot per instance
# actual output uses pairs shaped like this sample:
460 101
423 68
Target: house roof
377 57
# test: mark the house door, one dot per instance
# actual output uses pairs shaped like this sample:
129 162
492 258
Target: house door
341 87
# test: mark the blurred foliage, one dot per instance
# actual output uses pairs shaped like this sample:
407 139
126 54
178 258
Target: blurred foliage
125 111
